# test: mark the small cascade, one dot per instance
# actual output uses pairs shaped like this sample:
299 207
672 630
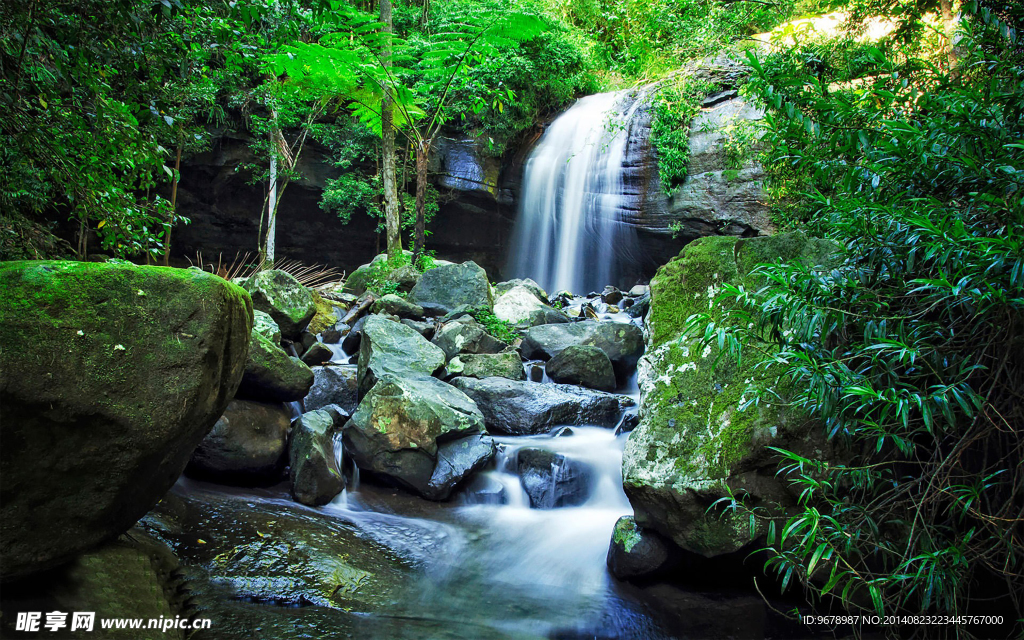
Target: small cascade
581 192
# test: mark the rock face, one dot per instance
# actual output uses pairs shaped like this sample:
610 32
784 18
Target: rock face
271 375
521 306
110 375
693 443
552 480
392 348
246 446
404 421
443 289
506 364
622 343
280 295
524 408
313 461
334 384
584 365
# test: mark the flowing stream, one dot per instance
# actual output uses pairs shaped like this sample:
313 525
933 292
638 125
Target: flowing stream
571 232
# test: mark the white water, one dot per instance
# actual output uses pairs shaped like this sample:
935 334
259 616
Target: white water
569 234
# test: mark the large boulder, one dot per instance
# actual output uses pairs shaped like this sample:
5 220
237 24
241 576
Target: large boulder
522 408
584 365
280 295
392 304
401 425
334 384
623 343
392 348
110 375
529 284
506 364
522 307
694 445
271 375
246 446
443 289
465 335
313 460
552 480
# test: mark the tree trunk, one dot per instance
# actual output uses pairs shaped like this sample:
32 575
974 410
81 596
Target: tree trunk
392 221
422 161
268 246
174 205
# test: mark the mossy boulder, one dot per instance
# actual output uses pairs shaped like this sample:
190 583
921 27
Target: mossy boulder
584 365
694 445
401 425
521 306
246 447
110 375
264 325
280 295
443 289
635 552
334 384
271 375
395 305
506 364
389 347
529 284
313 459
623 343
466 335
325 317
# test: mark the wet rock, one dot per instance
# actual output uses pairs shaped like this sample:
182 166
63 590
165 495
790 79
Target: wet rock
506 364
523 408
339 415
444 288
465 335
458 460
392 348
306 340
584 365
484 489
425 329
523 308
279 294
326 316
640 306
313 461
395 305
354 337
527 283
400 427
264 325
635 552
271 375
317 354
333 384
247 446
639 290
611 295
405 277
331 336
622 343
537 373
128 369
552 480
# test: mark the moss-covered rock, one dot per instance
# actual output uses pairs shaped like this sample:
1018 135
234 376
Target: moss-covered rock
264 325
110 375
584 365
389 347
521 306
313 461
397 306
622 343
635 552
466 335
279 294
271 375
694 445
334 384
506 364
443 289
325 316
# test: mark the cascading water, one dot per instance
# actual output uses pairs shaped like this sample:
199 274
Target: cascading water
572 231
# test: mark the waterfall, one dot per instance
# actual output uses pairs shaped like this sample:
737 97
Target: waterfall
572 231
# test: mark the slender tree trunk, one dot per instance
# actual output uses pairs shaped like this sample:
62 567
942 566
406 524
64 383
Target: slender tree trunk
391 216
425 16
174 202
422 161
268 256
949 27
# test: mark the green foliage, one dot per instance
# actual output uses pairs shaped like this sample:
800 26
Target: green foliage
500 329
910 351
674 105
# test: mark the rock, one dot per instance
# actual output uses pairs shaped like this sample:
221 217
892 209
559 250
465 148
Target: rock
693 444
524 408
279 294
622 343
444 288
315 476
583 365
339 416
271 375
506 364
306 340
326 315
351 342
527 283
639 290
400 425
465 335
520 306
119 372
611 295
552 480
425 329
640 306
246 446
462 312
405 277
331 336
395 305
264 325
392 348
317 354
537 373
457 460
636 552
334 384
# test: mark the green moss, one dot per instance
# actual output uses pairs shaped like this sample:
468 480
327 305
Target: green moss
626 533
325 317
